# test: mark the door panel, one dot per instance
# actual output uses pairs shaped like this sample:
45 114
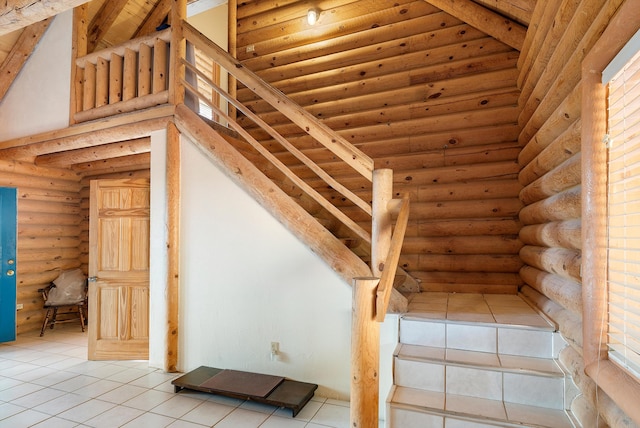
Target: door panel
8 226
119 269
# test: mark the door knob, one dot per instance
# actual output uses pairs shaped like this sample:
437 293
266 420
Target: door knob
10 272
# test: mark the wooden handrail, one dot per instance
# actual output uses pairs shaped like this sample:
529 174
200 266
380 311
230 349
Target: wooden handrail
332 209
383 294
120 50
351 155
280 139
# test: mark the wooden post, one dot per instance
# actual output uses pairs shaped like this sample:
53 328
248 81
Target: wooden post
78 49
381 219
178 50
89 87
129 72
159 66
233 43
144 70
365 354
115 78
102 82
173 245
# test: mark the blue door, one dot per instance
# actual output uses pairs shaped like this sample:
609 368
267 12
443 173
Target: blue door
8 222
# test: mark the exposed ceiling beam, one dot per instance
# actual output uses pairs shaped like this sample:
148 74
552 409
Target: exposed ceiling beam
103 20
154 18
508 32
20 53
96 153
16 14
520 10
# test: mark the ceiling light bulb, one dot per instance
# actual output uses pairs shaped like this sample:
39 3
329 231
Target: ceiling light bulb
312 16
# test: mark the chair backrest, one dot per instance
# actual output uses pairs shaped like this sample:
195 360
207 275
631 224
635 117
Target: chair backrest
69 288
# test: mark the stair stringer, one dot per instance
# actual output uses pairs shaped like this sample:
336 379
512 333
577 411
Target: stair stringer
322 242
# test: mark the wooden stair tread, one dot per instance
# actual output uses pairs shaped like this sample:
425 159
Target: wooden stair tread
267 389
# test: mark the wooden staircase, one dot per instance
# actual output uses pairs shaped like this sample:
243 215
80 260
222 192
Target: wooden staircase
472 360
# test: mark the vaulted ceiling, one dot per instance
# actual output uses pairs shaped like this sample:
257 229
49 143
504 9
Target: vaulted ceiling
22 22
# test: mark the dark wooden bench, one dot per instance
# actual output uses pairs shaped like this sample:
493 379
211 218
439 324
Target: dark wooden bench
257 387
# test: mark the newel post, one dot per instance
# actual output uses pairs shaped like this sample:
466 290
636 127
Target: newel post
381 219
365 354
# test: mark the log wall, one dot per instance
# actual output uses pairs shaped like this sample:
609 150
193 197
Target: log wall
419 91
559 37
48 232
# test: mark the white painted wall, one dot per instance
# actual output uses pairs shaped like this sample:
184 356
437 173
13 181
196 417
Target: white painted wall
38 100
247 282
158 252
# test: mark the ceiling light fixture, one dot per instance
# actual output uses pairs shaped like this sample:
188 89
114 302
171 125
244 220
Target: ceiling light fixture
312 16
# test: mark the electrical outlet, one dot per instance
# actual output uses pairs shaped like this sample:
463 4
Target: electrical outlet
275 351
251 48
19 306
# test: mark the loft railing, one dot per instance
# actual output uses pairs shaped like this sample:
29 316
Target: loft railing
134 76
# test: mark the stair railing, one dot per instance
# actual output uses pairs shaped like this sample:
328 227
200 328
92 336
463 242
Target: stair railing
353 157
371 296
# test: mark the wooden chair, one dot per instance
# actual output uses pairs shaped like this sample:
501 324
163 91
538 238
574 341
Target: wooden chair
68 290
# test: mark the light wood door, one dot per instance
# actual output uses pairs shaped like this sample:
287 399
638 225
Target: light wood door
119 270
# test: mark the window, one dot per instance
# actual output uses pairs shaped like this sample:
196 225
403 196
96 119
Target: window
211 72
611 368
623 211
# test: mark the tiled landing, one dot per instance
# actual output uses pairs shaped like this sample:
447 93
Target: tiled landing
478 308
48 382
473 360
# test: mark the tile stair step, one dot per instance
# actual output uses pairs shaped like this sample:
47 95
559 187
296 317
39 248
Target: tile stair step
528 341
490 361
409 408
534 390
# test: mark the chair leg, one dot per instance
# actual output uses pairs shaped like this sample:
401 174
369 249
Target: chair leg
81 312
53 317
45 322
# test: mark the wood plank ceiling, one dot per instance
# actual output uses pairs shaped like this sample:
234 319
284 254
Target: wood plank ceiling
418 89
422 92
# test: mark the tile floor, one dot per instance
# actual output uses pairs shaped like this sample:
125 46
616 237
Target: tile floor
48 382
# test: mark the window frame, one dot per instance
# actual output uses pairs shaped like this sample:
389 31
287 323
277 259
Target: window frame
623 388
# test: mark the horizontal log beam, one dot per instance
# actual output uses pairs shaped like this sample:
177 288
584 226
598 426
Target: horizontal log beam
505 30
467 227
462 245
510 263
559 261
565 292
88 138
563 206
564 176
558 151
123 163
96 153
564 234
16 14
569 324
